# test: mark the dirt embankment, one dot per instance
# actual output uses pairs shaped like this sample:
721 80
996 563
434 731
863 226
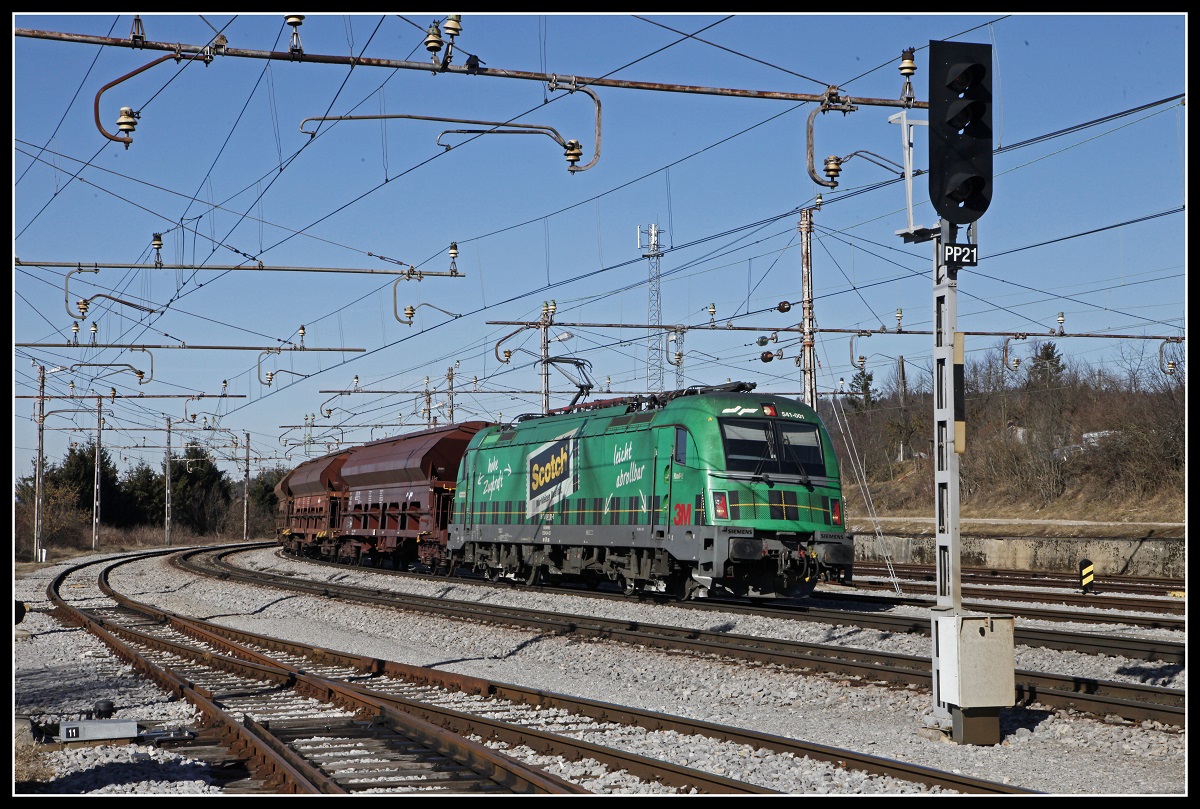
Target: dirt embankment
901 510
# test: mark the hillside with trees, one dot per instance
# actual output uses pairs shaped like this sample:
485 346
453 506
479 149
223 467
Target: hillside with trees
1050 438
206 506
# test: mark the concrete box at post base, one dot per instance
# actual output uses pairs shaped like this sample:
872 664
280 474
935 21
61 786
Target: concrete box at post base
97 730
976 660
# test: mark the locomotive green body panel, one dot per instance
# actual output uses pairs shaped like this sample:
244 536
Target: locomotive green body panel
727 491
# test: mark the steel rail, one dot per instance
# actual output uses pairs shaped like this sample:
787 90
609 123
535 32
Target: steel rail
289 779
1091 601
498 768
1134 701
653 769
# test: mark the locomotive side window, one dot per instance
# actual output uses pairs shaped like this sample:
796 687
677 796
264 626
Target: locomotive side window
680 445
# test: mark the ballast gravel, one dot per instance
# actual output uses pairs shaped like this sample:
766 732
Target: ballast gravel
61 672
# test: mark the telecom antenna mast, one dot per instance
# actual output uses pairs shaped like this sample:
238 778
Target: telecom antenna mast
654 355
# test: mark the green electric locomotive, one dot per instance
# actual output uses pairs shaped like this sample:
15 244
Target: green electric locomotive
706 491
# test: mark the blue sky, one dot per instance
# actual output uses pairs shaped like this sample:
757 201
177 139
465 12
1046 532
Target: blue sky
1088 223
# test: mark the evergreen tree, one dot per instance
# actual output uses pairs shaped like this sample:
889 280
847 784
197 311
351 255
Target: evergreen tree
263 502
866 396
200 492
145 494
1046 368
77 475
262 488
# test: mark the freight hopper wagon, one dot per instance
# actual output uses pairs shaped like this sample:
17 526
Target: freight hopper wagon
400 494
311 500
707 491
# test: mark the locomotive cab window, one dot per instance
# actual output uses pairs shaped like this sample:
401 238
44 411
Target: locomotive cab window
772 446
800 448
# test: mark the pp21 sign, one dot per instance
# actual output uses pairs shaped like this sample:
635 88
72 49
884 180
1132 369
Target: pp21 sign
960 255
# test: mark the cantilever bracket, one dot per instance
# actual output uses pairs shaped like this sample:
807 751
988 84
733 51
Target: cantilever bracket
205 56
571 148
82 303
832 103
861 362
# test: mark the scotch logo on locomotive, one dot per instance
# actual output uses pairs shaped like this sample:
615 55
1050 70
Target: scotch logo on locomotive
551 475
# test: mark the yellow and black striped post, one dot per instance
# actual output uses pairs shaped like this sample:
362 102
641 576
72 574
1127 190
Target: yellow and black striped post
1086 575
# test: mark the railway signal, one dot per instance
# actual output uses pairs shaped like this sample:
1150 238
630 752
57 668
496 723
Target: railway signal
973 654
960 130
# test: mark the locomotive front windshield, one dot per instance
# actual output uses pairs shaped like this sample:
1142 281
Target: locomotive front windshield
773 446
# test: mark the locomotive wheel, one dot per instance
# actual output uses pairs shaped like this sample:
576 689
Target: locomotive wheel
452 564
681 585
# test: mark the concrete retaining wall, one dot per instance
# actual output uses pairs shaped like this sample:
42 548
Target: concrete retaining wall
1165 558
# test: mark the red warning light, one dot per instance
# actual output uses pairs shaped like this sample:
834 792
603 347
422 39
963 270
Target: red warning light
720 506
770 410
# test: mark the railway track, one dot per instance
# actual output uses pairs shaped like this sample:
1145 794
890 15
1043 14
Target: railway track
316 720
285 725
1145 613
874 618
1134 702
1162 587
1153 650
1033 590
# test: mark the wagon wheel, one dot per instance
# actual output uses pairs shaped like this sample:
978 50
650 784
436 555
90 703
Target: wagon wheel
628 586
534 577
491 573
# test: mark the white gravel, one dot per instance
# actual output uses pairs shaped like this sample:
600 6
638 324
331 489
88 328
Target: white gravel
61 672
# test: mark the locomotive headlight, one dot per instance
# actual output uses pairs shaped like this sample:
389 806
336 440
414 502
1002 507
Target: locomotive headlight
720 505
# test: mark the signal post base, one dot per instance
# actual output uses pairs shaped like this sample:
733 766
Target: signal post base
975 725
